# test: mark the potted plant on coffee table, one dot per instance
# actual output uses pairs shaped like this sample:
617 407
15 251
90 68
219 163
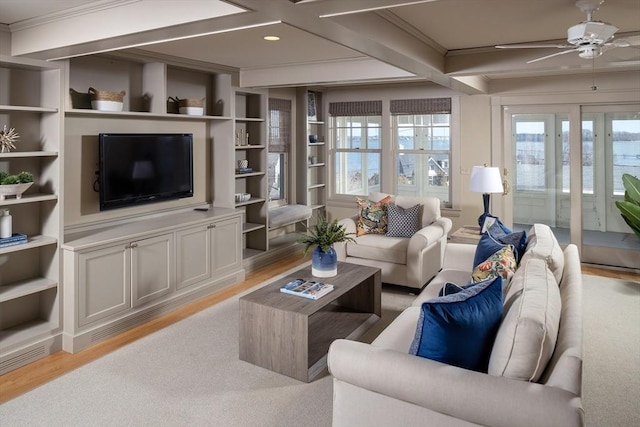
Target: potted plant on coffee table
323 234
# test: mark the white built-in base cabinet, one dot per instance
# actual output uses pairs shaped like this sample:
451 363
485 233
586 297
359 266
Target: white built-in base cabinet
122 276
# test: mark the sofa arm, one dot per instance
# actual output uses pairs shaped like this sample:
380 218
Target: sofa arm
467 395
350 227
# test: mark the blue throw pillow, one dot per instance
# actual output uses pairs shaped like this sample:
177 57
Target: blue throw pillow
517 239
487 246
459 329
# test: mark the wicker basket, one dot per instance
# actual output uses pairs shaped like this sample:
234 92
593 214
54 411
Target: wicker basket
191 102
106 95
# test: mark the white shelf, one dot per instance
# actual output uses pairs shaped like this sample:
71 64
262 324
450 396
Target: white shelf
314 207
20 108
311 187
32 242
249 147
248 119
25 287
244 175
25 332
316 165
21 154
316 144
28 198
248 227
315 122
249 202
87 112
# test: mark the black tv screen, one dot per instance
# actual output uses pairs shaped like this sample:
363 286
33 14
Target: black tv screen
144 168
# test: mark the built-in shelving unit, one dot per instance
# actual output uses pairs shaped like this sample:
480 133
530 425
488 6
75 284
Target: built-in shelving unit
250 132
311 157
30 283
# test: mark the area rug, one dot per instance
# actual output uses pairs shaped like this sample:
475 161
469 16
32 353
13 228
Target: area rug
189 374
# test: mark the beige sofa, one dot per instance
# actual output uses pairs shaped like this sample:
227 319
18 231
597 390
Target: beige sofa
404 261
382 385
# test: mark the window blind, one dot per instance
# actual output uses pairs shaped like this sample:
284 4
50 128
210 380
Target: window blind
279 125
356 108
421 106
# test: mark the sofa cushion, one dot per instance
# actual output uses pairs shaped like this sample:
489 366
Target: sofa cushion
543 245
380 248
402 222
372 216
501 263
459 329
527 336
486 247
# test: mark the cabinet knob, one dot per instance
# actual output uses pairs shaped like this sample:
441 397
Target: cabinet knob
211 226
133 245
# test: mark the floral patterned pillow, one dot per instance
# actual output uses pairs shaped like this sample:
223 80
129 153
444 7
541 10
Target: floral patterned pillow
502 263
372 216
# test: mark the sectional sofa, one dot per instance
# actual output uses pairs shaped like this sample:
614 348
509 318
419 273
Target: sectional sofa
534 372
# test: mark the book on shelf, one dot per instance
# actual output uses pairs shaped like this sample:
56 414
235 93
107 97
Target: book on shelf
245 170
306 288
15 239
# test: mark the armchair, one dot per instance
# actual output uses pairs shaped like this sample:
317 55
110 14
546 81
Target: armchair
407 261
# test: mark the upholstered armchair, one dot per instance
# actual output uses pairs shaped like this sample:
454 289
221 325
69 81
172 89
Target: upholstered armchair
408 261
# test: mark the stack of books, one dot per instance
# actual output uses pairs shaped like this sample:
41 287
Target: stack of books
245 170
306 288
15 239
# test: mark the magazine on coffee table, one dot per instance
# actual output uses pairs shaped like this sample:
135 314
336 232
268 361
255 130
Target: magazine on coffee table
306 288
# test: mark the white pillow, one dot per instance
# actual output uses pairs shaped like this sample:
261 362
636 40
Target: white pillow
528 333
542 244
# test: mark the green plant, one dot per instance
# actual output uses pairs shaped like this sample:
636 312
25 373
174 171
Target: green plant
630 206
20 178
324 234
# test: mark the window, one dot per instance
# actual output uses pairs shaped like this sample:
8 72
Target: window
357 146
278 157
422 133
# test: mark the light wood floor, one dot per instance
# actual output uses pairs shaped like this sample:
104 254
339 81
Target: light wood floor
37 373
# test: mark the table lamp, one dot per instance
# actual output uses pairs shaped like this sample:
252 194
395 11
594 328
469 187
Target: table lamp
485 180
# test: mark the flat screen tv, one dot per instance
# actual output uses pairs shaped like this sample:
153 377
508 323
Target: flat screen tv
137 168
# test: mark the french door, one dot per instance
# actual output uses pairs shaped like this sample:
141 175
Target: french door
605 142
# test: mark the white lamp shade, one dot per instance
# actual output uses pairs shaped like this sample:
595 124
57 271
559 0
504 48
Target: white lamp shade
485 179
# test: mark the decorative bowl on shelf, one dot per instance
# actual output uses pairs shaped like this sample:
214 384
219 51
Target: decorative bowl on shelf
13 190
243 197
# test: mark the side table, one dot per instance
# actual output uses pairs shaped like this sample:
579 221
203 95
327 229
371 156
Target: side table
466 234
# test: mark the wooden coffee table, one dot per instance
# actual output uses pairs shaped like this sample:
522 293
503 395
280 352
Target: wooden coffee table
291 334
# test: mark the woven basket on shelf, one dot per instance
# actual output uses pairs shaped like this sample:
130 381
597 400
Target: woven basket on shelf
191 102
106 95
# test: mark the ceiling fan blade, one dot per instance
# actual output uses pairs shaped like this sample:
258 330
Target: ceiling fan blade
552 55
533 46
625 42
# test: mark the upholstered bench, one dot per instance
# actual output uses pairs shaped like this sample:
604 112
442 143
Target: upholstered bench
288 214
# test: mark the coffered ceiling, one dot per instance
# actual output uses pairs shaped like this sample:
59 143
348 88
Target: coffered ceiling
328 42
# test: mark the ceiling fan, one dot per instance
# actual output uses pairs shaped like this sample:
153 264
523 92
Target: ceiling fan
589 38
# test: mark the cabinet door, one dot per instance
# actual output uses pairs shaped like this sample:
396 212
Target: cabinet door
227 253
104 284
152 269
193 263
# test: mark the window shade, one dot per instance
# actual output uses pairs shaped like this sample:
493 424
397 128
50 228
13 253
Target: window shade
356 108
421 106
279 124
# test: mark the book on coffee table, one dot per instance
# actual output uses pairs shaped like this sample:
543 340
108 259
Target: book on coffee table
306 288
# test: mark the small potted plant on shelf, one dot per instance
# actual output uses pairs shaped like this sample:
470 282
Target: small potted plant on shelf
323 234
14 185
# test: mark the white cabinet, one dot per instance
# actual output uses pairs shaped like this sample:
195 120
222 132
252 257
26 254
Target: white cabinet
207 250
104 283
30 314
152 269
121 276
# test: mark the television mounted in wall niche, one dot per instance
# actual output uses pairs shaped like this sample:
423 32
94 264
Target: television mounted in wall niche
139 168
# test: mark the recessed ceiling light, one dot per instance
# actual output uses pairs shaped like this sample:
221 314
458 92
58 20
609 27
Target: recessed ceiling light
271 38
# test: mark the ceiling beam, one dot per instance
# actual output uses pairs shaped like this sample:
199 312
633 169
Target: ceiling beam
367 33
